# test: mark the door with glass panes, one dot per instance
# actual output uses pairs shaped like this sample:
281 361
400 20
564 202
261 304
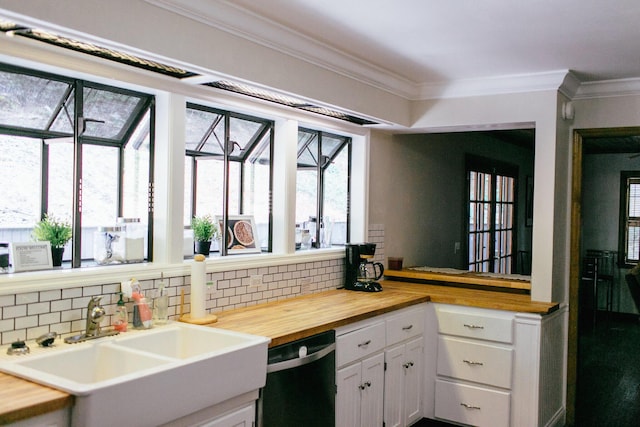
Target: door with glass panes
491 201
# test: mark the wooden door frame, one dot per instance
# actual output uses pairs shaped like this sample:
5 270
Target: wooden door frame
575 251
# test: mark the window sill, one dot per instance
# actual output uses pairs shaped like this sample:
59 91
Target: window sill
12 283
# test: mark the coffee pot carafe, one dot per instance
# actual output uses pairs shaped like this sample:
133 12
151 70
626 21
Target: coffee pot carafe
369 272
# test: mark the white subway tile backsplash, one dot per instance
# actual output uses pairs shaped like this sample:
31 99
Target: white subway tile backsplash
7 300
50 295
27 298
71 293
38 308
7 325
14 311
49 319
61 305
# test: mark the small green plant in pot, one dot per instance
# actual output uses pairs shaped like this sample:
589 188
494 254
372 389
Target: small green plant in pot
204 229
57 232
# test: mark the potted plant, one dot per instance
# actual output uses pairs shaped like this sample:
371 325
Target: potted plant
204 229
55 231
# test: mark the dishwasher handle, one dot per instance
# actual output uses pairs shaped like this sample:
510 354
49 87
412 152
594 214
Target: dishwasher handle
301 361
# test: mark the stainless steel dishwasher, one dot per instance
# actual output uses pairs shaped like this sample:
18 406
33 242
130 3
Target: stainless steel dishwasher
301 384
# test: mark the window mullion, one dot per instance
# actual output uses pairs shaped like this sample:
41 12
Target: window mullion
76 257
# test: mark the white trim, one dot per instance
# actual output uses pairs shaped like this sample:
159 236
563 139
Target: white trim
608 88
517 83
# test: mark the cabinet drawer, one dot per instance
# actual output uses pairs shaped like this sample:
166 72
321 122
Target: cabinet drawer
480 324
481 363
359 343
472 405
405 325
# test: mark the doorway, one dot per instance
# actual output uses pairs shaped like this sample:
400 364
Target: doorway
622 140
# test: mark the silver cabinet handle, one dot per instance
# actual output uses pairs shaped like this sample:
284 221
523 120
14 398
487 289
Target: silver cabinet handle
406 328
466 405
407 365
472 362
472 326
364 344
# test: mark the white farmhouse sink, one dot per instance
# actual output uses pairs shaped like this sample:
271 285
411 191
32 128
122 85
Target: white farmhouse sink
148 378
184 342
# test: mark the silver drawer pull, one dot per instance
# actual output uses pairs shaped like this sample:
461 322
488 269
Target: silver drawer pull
364 344
472 362
408 365
472 326
466 405
406 328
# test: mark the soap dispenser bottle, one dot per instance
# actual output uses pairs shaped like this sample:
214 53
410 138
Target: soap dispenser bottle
121 316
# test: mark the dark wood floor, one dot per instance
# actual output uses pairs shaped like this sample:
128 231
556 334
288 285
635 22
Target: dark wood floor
608 383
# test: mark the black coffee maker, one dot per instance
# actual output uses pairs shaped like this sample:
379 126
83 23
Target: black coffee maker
360 273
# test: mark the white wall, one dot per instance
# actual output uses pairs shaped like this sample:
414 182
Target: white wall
418 187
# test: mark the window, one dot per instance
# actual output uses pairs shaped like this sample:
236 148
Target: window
491 204
76 150
228 168
629 241
323 186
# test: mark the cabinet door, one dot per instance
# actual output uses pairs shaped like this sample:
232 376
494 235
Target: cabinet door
244 417
372 391
394 386
413 384
348 400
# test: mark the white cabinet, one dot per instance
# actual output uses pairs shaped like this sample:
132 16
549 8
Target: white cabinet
474 366
359 398
495 368
403 383
404 367
360 375
239 411
59 418
380 370
243 417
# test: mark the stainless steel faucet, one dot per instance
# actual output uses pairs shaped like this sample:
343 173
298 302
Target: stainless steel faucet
95 313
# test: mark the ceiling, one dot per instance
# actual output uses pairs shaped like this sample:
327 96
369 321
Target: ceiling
426 42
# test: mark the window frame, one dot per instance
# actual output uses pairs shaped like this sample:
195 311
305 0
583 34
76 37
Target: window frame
321 168
624 261
268 127
75 95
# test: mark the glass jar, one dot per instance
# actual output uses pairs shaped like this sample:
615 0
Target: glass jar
134 234
108 245
187 243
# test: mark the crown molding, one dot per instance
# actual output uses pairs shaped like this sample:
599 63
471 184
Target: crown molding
515 83
608 88
242 23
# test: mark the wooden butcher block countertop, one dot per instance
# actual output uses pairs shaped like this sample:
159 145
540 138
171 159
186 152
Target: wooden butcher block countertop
300 317
295 318
20 399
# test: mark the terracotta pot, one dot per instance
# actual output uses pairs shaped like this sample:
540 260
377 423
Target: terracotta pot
203 248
